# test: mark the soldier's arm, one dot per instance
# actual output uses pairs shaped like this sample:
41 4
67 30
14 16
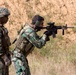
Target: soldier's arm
34 38
0 40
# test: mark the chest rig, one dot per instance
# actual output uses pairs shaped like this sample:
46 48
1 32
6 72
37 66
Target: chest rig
23 45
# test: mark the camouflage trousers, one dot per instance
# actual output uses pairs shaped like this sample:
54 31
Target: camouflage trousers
20 63
4 65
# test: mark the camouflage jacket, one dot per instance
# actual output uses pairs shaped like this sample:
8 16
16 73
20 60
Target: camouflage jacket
29 39
4 40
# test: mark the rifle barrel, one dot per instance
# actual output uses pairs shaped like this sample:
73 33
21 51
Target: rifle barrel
70 27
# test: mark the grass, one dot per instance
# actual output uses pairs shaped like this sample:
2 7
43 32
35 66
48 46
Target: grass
72 53
58 58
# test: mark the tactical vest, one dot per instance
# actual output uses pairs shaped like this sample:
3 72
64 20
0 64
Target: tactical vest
24 45
5 40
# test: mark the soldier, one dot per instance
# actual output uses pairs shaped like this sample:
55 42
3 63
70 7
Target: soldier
4 42
26 41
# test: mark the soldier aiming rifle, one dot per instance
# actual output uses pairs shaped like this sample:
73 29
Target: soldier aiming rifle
28 39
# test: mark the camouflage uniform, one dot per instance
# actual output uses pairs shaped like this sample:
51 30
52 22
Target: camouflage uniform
26 41
4 45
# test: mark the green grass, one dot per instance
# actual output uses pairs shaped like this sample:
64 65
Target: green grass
72 53
58 52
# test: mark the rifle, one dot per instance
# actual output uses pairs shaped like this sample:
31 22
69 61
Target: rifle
52 28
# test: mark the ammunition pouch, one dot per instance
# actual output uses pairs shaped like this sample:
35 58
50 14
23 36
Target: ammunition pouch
28 49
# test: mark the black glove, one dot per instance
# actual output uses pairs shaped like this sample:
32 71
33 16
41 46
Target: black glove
47 33
47 38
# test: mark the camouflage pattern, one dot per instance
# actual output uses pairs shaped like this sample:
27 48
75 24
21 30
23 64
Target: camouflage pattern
4 51
33 38
4 12
20 63
26 41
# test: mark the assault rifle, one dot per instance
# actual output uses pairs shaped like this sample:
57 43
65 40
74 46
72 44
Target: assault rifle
53 29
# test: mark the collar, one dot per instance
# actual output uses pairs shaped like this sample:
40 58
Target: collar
33 26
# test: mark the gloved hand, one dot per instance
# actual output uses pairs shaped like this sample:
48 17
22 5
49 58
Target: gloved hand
47 38
47 33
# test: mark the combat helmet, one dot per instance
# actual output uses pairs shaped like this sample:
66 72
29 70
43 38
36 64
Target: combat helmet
4 12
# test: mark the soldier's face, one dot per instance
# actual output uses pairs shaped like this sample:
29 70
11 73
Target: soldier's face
41 23
4 19
38 28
